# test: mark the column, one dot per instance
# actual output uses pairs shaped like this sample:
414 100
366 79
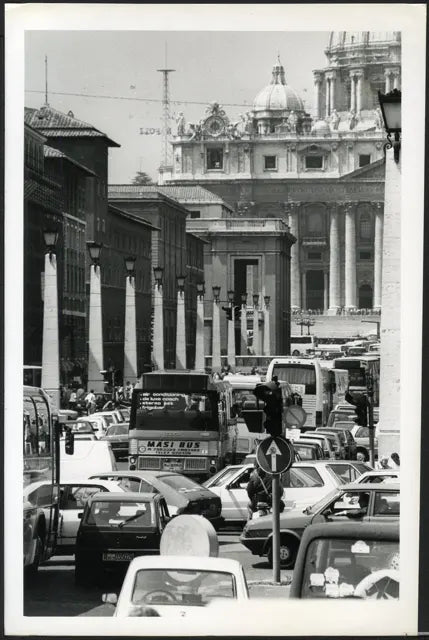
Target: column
267 337
378 256
325 291
350 301
359 87
334 264
387 79
396 79
256 341
130 339
304 291
158 328
231 339
50 340
180 330
243 329
216 361
95 332
332 93
327 95
199 338
352 92
317 82
295 288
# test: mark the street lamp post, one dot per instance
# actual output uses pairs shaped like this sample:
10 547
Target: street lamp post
130 341
95 331
390 104
180 325
231 331
158 320
256 345
243 325
50 339
267 337
216 360
199 338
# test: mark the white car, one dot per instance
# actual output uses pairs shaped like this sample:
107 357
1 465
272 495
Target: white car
177 585
99 423
73 497
304 484
380 476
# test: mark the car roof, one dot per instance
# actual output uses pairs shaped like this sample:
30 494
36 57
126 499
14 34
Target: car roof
355 529
185 562
137 473
125 496
380 472
353 486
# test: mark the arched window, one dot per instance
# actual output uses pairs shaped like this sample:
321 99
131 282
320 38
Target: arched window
365 230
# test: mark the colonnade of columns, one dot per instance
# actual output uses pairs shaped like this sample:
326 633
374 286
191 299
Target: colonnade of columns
392 80
333 298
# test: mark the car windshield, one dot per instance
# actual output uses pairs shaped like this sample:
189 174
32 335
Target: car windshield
343 471
180 483
362 568
305 452
117 430
119 513
176 411
181 587
362 467
109 419
223 478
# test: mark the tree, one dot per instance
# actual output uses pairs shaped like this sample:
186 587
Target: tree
142 177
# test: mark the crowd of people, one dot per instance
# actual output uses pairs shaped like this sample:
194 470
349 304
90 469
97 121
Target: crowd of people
77 399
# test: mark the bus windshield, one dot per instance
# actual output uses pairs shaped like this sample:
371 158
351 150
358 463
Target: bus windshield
176 411
302 374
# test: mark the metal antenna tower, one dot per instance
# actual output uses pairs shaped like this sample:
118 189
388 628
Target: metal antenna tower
166 153
46 81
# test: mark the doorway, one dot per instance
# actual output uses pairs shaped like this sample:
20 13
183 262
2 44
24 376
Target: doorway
365 296
315 289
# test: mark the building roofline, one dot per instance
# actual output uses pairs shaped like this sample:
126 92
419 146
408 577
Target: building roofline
60 155
125 214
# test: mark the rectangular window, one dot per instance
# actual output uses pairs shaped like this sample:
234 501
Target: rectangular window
314 255
365 255
215 158
364 159
270 163
195 214
314 162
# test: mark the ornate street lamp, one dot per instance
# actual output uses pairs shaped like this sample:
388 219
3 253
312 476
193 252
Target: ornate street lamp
158 273
201 289
255 299
243 299
50 236
216 293
267 301
130 265
94 249
181 283
231 296
390 105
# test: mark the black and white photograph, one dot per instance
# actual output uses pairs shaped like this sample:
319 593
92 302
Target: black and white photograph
213 319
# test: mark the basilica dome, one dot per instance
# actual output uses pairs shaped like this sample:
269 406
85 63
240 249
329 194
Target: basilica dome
278 96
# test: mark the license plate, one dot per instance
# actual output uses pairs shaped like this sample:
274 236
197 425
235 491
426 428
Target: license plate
118 556
172 465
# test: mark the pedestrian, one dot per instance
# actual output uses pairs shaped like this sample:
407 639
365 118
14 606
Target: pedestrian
72 400
394 462
128 390
90 402
259 489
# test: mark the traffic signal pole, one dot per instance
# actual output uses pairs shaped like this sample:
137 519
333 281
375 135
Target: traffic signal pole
276 528
370 393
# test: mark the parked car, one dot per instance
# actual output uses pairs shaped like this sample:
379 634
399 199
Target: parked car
303 484
344 414
325 443
114 529
307 450
336 441
117 435
361 436
343 560
73 498
182 494
344 429
111 417
98 422
380 476
177 585
84 427
125 413
359 502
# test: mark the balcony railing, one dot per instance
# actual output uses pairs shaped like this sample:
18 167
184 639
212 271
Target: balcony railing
271 225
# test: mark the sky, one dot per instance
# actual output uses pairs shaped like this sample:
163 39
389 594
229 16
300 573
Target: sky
227 67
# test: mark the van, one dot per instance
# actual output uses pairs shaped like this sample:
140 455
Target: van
89 457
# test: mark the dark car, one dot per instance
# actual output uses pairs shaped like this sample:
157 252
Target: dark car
351 502
359 559
114 529
182 494
308 451
344 428
118 436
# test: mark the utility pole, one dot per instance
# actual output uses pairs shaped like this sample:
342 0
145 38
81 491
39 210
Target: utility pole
46 81
165 112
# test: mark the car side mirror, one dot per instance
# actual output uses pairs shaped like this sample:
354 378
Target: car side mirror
109 598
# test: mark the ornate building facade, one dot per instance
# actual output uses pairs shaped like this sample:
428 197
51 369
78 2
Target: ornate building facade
323 175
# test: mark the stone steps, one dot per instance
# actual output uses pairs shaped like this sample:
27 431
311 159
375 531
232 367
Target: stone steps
339 326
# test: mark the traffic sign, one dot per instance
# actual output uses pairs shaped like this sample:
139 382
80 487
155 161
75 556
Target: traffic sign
275 455
295 416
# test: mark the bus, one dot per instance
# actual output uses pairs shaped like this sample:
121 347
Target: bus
300 345
41 479
358 367
320 385
179 422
